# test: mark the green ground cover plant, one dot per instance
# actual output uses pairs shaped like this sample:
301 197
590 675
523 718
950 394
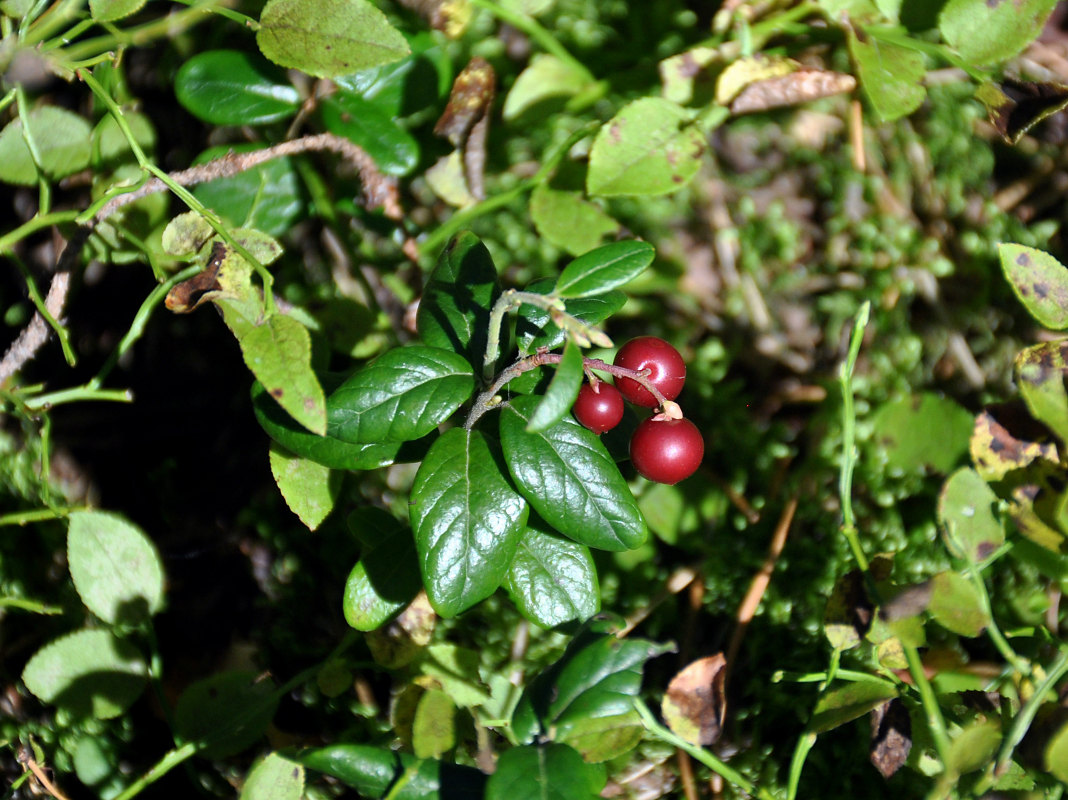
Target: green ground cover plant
533 398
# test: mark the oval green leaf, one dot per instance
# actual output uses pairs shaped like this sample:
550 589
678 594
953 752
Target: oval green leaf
892 76
434 726
843 704
920 432
89 672
225 713
277 350
115 567
649 147
408 86
394 150
598 676
956 604
1040 371
371 771
562 391
228 87
571 480
604 269
974 747
553 580
546 77
467 519
274 778
327 450
455 308
386 578
970 528
552 771
1040 282
1056 755
402 395
328 38
61 139
986 32
568 221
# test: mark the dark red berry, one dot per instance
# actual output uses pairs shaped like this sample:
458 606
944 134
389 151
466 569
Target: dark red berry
600 409
667 370
666 451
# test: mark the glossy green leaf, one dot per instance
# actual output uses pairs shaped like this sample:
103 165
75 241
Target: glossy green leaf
562 391
267 197
842 704
111 10
230 87
88 672
225 713
467 519
455 308
408 86
974 747
966 510
989 31
598 676
569 221
956 604
891 75
115 567
545 772
919 432
61 139
535 328
309 489
1040 371
327 38
553 580
434 726
394 150
274 778
372 771
1040 282
277 350
386 578
402 395
327 450
604 269
650 147
544 78
571 480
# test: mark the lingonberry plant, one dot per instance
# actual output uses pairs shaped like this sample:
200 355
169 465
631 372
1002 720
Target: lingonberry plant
322 182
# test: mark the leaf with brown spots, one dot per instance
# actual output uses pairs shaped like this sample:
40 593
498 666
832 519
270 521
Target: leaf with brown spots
1040 373
760 83
1039 280
967 506
695 704
1006 439
891 737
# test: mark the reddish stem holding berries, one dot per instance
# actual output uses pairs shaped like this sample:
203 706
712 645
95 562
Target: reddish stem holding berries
486 400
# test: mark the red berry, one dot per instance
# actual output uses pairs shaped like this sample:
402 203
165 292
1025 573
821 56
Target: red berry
600 409
667 451
667 370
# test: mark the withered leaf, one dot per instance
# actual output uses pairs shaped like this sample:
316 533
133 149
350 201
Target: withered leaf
189 294
448 16
1006 438
695 704
789 90
1015 107
465 121
891 736
849 612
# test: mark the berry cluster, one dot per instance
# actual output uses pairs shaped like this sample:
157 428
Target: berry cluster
665 448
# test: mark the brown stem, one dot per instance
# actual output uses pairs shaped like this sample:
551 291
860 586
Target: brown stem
488 399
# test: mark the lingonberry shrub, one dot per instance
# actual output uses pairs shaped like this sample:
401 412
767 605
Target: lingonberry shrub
666 450
667 370
599 406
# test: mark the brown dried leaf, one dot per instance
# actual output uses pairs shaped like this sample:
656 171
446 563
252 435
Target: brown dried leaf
891 736
695 704
189 294
788 90
1016 106
849 612
448 16
465 122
